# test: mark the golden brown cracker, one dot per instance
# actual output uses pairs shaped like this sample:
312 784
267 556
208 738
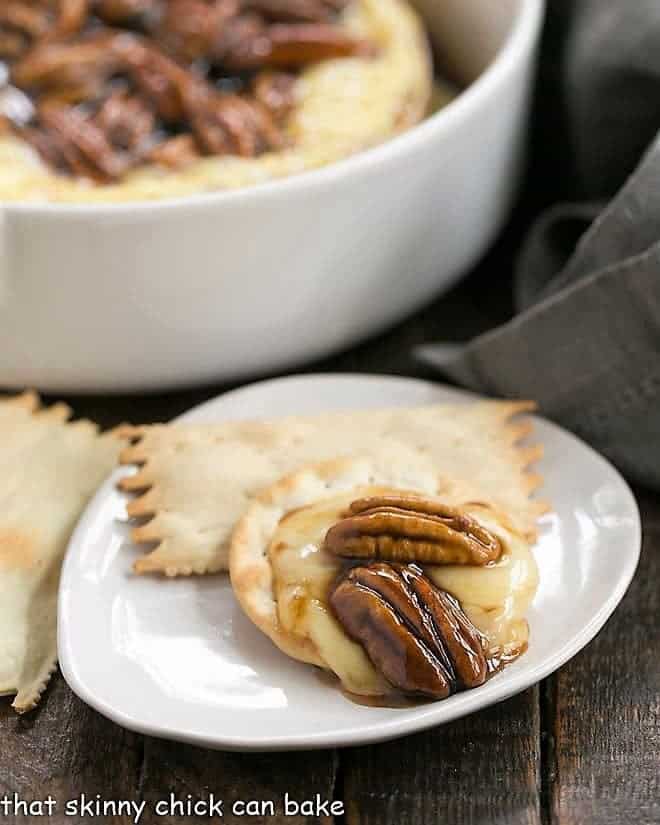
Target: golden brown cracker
193 482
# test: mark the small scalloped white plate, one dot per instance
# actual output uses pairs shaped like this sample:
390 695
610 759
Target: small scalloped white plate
177 658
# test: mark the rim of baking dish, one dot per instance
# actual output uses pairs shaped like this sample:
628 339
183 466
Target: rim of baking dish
520 40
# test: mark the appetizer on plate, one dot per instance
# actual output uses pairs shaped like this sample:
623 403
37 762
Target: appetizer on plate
131 99
124 637
389 547
360 567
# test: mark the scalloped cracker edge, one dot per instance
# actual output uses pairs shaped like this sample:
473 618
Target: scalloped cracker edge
50 468
192 483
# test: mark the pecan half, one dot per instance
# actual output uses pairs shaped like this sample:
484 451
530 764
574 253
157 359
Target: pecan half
464 643
191 29
20 25
127 121
408 528
84 64
292 45
174 153
275 91
122 12
162 81
303 11
230 123
23 23
72 16
415 634
84 145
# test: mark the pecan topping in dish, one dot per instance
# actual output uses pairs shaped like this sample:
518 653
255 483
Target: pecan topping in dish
415 634
407 528
115 84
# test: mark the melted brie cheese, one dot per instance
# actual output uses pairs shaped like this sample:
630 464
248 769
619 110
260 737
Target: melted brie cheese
343 107
303 574
495 597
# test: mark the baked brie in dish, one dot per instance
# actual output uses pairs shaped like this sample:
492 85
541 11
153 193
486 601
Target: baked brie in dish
359 567
121 100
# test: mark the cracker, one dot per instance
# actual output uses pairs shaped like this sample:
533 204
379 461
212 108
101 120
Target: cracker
250 563
50 468
193 482
250 568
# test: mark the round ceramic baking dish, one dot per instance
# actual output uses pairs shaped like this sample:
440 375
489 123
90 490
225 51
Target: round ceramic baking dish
138 297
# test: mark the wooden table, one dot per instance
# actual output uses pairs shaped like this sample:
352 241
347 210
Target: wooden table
582 747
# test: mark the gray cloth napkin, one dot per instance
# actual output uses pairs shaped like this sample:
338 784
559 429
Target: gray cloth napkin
609 84
586 342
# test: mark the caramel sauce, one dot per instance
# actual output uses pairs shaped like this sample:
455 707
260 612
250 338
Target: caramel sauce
303 575
396 700
498 660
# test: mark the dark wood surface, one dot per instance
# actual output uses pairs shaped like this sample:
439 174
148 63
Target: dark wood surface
583 747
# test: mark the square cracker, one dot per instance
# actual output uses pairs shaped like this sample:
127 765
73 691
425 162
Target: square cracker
50 468
193 482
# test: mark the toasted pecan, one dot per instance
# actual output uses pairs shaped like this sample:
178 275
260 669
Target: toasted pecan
416 635
407 528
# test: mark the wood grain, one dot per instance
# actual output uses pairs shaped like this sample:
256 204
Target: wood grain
481 769
65 749
184 771
583 748
603 710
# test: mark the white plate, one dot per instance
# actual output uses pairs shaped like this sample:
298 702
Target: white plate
176 658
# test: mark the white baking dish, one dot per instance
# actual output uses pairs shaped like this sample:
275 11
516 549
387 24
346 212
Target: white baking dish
172 293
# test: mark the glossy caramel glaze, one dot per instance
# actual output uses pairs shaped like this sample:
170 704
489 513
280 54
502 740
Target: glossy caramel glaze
494 598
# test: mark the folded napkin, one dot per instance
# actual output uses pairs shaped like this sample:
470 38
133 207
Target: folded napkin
586 341
609 83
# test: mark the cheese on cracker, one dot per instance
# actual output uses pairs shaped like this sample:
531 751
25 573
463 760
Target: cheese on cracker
282 574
